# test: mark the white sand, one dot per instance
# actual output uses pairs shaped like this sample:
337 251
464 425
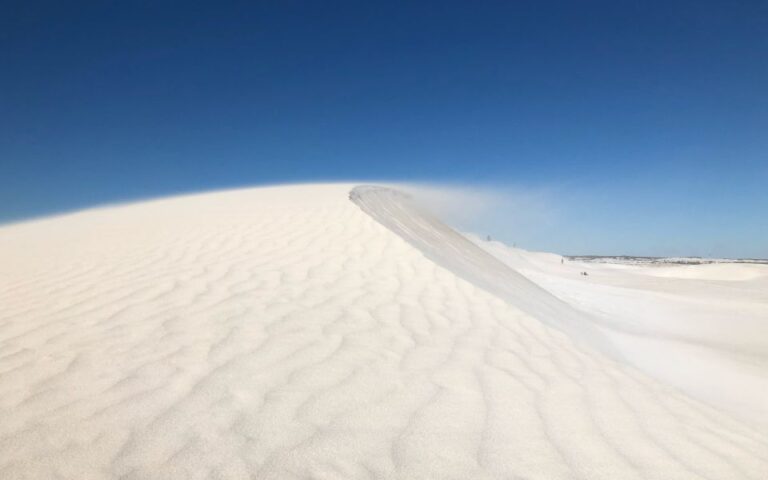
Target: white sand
284 333
703 328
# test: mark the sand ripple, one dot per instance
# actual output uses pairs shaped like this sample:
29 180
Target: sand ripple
282 333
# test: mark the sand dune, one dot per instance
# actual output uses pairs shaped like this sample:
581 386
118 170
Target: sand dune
286 332
703 328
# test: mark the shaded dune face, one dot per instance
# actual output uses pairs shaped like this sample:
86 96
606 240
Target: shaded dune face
286 333
455 252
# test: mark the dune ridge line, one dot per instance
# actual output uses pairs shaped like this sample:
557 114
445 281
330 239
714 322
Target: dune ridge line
283 333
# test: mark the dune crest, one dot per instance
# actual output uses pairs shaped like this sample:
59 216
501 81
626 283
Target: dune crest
283 332
455 252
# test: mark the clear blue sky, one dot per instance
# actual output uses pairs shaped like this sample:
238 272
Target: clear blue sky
645 122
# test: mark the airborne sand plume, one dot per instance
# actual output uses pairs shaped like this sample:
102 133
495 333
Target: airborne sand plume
286 332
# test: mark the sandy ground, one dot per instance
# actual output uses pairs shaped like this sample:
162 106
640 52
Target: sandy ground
703 328
289 332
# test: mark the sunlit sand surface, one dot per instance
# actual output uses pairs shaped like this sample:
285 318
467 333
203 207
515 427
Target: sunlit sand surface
317 331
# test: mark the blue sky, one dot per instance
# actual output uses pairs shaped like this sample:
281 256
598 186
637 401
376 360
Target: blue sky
637 127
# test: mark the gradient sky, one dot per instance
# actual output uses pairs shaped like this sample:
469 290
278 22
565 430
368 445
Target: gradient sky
626 127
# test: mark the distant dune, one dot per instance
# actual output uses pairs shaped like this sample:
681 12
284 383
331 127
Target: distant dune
336 331
701 327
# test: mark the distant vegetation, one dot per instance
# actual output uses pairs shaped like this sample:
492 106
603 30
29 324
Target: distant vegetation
625 259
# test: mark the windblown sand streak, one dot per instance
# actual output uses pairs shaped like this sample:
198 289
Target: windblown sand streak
282 332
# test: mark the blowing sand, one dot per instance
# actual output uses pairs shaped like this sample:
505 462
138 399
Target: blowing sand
289 332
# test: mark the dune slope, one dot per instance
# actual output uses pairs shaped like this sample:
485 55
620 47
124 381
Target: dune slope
702 328
285 333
